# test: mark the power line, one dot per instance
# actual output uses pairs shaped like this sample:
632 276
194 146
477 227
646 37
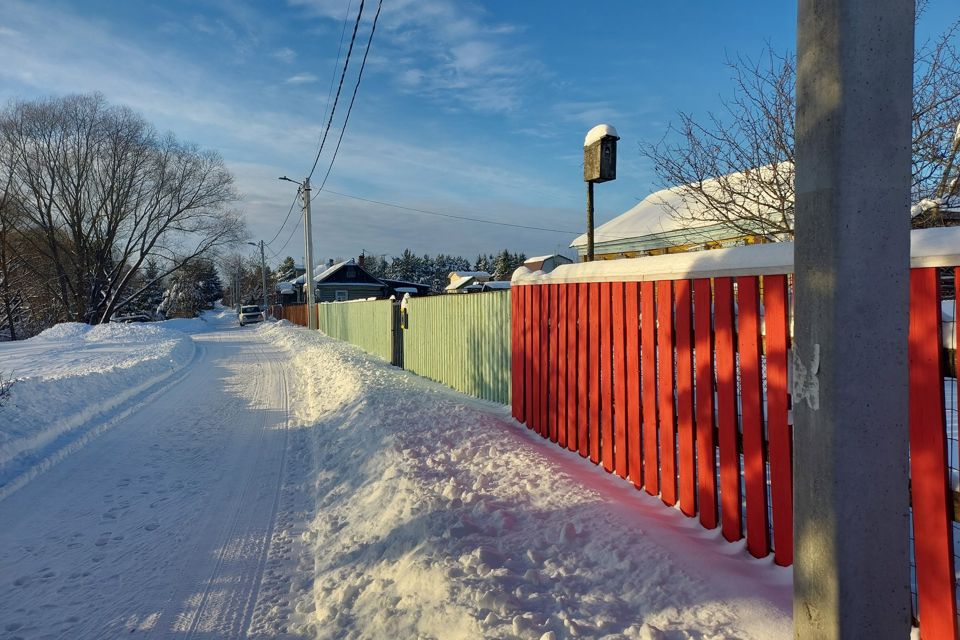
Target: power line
451 215
346 63
333 73
353 98
292 233
284 223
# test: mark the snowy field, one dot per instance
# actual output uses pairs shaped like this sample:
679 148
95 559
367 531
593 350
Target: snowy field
201 480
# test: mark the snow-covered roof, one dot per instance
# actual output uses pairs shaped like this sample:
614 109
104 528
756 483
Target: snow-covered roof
497 284
598 132
329 271
468 274
461 283
540 258
674 209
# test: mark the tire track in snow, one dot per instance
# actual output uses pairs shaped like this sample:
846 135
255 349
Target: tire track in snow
179 500
228 611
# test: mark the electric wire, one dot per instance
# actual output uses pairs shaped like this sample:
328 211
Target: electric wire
336 65
287 217
290 237
333 76
343 129
346 64
452 215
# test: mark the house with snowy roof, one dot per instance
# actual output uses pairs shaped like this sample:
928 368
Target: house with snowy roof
546 263
672 221
347 280
466 281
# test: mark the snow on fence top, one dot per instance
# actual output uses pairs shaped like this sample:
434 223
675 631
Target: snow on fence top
928 248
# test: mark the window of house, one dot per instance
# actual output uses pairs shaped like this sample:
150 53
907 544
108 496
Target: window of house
341 295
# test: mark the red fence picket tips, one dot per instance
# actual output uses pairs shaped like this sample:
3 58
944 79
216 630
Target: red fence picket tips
679 384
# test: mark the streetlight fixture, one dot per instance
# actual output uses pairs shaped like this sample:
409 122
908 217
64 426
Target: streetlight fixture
308 244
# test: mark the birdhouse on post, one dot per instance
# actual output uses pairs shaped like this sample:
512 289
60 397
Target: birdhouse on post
599 165
600 154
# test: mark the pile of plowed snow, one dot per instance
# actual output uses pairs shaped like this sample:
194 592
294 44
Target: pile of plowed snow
438 516
72 381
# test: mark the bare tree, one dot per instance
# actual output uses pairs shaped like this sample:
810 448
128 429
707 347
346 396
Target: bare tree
100 193
736 168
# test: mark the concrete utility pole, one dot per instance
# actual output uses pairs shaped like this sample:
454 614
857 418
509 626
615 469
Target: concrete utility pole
263 274
308 249
308 239
850 384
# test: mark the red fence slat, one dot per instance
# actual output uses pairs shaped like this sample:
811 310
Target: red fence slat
593 354
619 382
703 391
932 502
668 437
554 363
606 378
683 338
530 355
731 520
516 356
632 330
562 363
583 369
648 368
779 436
751 409
571 354
543 346
536 318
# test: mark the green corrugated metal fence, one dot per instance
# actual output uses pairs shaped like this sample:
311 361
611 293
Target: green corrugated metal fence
367 324
463 341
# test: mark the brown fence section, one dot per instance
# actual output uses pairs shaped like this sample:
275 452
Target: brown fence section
295 313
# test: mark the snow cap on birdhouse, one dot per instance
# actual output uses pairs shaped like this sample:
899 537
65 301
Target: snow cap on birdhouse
600 154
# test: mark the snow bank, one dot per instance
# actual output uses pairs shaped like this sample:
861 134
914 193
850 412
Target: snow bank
438 516
72 381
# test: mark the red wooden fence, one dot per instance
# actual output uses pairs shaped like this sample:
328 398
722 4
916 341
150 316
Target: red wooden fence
680 387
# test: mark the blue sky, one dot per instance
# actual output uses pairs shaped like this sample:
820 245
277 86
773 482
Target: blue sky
469 108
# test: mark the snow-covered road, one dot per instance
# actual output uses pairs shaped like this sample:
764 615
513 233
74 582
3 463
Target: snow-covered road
195 479
161 526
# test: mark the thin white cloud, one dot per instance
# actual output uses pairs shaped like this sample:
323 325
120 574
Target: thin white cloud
301 78
61 52
286 55
447 52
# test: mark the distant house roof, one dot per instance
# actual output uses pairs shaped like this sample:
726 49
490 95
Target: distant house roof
669 216
495 285
479 275
536 263
401 287
469 283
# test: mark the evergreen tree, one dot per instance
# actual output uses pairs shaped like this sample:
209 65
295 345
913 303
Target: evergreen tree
405 267
501 266
483 263
376 266
287 269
